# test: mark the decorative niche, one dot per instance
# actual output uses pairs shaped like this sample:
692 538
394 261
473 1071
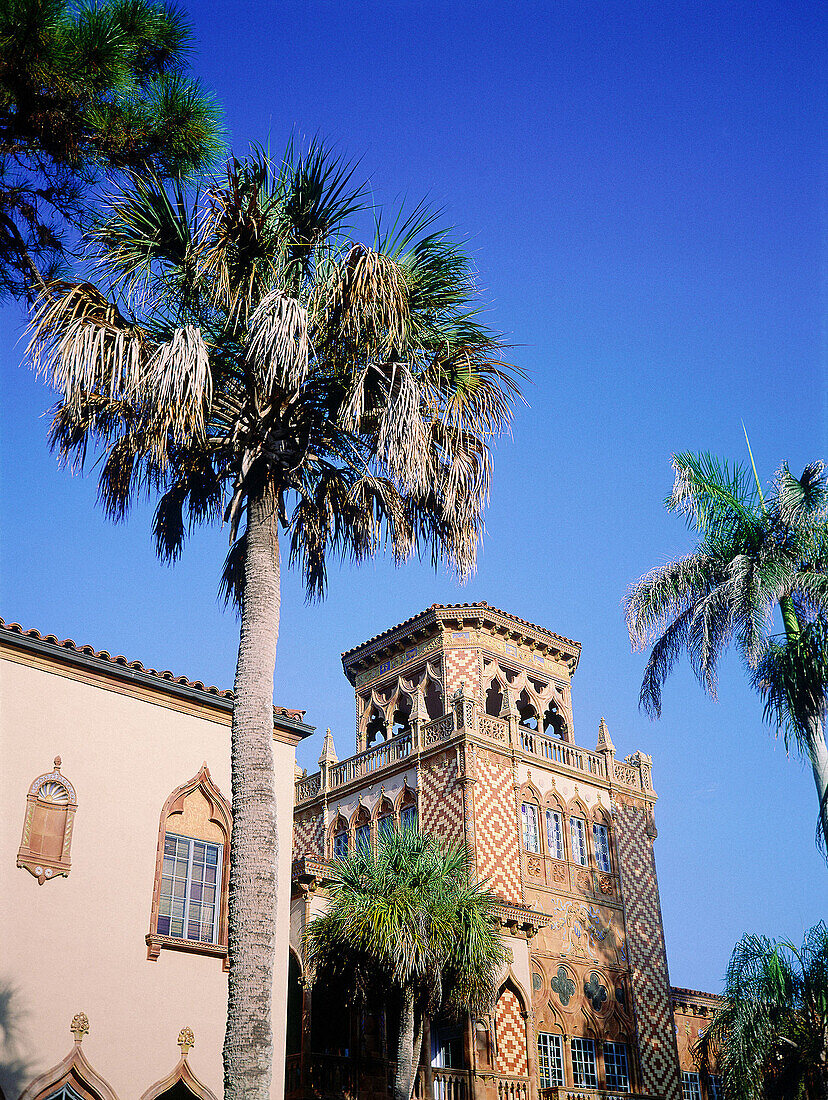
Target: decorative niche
45 848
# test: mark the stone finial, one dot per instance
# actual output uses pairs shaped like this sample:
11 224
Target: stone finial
186 1040
79 1026
58 762
328 754
298 772
508 708
419 711
604 740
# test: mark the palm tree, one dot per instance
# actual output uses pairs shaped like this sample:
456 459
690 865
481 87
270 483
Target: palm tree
248 359
771 1033
405 920
756 552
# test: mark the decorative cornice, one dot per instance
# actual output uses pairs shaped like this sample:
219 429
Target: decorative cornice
481 613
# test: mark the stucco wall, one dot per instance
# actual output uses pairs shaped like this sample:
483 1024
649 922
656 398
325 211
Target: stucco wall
77 943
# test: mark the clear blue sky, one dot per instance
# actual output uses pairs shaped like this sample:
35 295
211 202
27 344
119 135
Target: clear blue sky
643 189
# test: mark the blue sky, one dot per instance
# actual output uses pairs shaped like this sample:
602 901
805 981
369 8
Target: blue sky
643 189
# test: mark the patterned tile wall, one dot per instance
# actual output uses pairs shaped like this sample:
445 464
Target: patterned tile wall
647 954
307 836
441 797
511 1036
462 664
495 825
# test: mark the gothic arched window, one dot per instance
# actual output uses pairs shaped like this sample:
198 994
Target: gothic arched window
45 847
189 900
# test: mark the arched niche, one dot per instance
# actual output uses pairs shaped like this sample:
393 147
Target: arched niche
494 698
180 1084
45 847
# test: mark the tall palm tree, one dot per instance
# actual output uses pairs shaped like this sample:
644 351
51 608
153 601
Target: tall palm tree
757 552
406 920
771 1033
249 359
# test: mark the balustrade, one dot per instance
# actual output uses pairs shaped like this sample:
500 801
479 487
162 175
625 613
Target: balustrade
449 1084
561 752
512 1088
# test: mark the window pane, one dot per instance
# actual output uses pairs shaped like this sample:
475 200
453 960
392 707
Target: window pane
550 1060
584 1071
188 898
340 845
690 1089
715 1087
554 834
385 825
602 850
615 1066
363 836
531 839
578 836
408 817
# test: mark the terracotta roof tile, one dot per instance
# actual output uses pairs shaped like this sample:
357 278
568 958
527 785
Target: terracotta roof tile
107 658
462 606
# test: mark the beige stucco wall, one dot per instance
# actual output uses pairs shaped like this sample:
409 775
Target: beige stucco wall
77 943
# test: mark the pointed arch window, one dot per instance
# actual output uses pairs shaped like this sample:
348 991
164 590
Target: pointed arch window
554 834
45 847
408 810
385 820
600 835
531 836
577 834
550 1060
189 902
339 843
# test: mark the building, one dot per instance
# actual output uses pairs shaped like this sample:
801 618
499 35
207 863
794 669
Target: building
114 784
464 722
113 880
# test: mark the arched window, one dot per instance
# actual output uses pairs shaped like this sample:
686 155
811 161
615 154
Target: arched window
402 716
527 711
494 698
601 843
362 829
339 841
555 832
377 728
433 700
408 809
73 1078
189 900
45 847
529 823
385 819
554 723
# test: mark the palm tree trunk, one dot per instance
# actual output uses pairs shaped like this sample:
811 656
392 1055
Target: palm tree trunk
816 734
404 1076
819 764
248 1040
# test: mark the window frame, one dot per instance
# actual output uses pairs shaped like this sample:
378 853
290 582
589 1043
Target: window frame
338 835
580 1068
715 1086
619 1054
191 842
409 811
221 816
551 813
524 821
574 820
690 1086
546 1063
603 850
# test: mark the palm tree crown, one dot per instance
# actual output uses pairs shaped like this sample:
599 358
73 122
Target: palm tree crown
771 1033
405 919
756 552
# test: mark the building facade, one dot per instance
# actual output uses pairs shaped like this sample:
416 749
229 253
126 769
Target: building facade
115 787
464 723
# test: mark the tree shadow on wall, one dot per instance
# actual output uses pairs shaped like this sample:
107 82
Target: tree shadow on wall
15 1069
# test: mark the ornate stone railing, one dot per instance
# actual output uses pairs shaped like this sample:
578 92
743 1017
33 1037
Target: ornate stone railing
561 752
512 1088
308 787
439 730
493 728
623 773
590 1094
449 1084
380 756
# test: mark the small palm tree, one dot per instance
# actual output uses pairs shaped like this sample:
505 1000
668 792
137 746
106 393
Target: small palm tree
406 921
771 1033
756 552
249 360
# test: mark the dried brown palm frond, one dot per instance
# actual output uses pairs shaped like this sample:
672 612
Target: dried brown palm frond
279 347
365 303
82 344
